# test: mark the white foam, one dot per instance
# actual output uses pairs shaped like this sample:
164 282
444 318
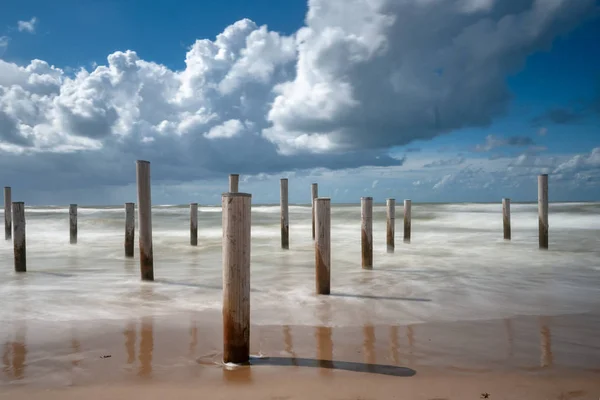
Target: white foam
456 267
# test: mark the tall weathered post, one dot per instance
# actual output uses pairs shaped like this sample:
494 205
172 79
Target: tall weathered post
506 218
145 220
18 212
314 189
73 223
323 245
7 213
366 219
543 210
236 277
391 224
194 224
285 223
234 183
407 219
129 228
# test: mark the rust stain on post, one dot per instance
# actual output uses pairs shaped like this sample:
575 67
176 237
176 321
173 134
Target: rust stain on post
236 276
391 224
145 220
194 224
7 213
323 245
367 232
543 210
18 212
407 220
73 223
506 218
285 227
129 228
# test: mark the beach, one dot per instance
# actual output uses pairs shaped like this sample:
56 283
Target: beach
456 313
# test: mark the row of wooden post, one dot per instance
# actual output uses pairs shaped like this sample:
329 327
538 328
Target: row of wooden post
236 244
366 218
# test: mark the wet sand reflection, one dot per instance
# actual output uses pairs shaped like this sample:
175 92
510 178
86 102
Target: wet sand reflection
324 349
14 355
510 337
410 334
369 344
146 347
287 340
394 344
130 337
547 358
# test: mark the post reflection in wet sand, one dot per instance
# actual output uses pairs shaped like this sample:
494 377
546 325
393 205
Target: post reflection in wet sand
193 338
287 339
130 337
547 358
394 344
76 346
510 337
14 355
410 334
6 359
146 347
369 345
324 349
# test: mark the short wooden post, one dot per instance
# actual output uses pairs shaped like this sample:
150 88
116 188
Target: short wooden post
73 223
314 188
236 276
7 213
129 228
506 218
407 220
391 224
234 183
366 219
18 212
323 245
194 224
144 198
285 224
543 210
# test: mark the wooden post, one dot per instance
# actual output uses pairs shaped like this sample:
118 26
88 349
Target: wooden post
7 213
391 224
73 223
129 228
285 223
407 219
366 219
18 212
236 276
543 210
323 245
506 218
145 220
234 183
314 188
194 224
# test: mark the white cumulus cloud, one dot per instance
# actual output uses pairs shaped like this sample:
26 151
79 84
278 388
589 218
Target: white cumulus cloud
361 76
27 26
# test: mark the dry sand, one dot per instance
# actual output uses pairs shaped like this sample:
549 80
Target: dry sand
529 357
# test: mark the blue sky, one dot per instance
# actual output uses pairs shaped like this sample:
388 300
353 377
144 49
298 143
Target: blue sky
465 101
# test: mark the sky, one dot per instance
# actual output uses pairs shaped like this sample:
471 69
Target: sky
429 100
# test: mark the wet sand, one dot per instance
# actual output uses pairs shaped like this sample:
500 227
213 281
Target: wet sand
527 357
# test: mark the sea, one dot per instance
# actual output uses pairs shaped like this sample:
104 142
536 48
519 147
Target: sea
457 266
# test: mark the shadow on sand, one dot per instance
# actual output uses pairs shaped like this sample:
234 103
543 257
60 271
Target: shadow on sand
367 296
339 365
